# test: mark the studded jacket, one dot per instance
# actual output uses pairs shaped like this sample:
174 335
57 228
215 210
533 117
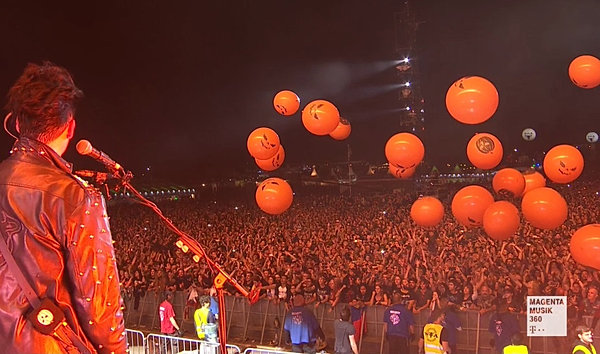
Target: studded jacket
58 233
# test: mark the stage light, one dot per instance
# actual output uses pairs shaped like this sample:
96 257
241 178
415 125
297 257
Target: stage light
406 60
407 108
407 84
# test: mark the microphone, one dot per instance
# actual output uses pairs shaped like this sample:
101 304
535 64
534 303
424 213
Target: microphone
103 176
84 147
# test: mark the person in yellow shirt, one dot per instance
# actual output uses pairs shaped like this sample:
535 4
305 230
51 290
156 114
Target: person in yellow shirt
516 345
201 316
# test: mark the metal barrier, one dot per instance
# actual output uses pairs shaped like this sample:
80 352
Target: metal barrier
264 351
162 344
262 324
136 343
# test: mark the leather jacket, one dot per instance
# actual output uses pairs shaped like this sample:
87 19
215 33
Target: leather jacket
59 235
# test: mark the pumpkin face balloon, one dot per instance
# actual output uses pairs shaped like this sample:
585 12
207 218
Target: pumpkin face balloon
563 164
286 103
320 117
470 203
263 143
274 162
472 100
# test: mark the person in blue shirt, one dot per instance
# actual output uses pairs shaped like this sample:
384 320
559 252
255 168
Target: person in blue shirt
503 325
399 326
452 324
302 327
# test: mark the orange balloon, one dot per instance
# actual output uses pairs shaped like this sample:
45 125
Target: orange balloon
401 172
404 150
320 117
584 71
501 220
484 151
472 100
544 208
286 102
274 162
427 211
510 180
274 196
469 205
263 143
563 164
585 246
533 180
342 131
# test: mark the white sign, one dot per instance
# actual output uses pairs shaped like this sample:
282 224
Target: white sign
546 316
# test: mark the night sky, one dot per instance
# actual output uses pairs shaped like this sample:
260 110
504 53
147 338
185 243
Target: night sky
179 85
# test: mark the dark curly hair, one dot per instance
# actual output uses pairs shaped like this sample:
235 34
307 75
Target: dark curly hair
42 100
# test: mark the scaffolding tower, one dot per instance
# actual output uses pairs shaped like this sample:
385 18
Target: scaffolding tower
411 102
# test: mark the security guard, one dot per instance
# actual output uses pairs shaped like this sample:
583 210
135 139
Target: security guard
583 344
435 338
516 347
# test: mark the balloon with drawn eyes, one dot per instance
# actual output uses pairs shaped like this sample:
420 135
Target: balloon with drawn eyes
274 196
591 137
584 71
342 131
263 143
286 102
563 164
272 163
405 150
528 134
401 172
470 203
585 246
472 100
544 208
320 117
509 180
484 151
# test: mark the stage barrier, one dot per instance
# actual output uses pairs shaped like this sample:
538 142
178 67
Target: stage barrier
136 343
262 324
162 344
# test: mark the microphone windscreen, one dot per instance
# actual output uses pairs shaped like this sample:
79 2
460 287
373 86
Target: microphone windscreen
84 147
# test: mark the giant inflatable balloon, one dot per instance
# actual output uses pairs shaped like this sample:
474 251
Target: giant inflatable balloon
533 180
472 100
286 102
274 196
470 203
404 150
563 164
427 211
501 220
591 137
263 143
320 117
509 180
544 208
342 131
484 151
585 246
528 134
401 172
272 163
584 71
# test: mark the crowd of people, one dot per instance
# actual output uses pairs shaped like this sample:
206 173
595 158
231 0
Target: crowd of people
359 249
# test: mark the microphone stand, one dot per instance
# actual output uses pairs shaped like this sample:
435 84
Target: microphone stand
187 243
